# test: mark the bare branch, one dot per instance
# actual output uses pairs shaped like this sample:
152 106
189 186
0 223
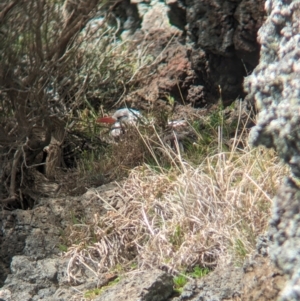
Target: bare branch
6 10
38 26
73 25
12 188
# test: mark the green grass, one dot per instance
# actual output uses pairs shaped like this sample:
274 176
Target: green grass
181 280
199 272
92 294
240 252
177 238
63 248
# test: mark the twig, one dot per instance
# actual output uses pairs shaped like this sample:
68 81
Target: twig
6 10
147 222
12 188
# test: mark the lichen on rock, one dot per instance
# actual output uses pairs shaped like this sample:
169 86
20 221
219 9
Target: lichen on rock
274 85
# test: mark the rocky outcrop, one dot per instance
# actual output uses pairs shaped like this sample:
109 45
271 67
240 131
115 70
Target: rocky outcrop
31 233
47 280
257 280
274 87
212 43
229 286
144 286
30 240
285 237
224 47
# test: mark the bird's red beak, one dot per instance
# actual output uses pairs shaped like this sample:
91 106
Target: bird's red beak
107 119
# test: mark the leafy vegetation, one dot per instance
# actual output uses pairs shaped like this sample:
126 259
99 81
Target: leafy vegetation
199 272
179 282
62 62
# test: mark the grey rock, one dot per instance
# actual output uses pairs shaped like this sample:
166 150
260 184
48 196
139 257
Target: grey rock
29 243
32 279
257 280
225 283
36 233
275 86
285 236
262 245
5 294
32 232
222 39
222 35
152 285
156 18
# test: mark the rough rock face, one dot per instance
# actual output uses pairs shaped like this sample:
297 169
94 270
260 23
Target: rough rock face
223 284
219 42
285 235
274 86
32 279
257 280
31 233
223 34
144 286
261 279
29 246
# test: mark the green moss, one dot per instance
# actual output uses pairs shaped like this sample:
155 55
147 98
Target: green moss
181 280
199 272
92 294
63 248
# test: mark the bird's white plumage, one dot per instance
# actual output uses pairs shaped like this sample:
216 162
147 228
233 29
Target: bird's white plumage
127 115
124 116
175 131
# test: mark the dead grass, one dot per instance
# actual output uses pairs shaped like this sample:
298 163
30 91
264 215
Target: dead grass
187 215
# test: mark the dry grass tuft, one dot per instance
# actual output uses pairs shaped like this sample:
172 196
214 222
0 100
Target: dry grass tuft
206 214
183 216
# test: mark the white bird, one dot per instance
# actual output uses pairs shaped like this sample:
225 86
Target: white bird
120 119
176 130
